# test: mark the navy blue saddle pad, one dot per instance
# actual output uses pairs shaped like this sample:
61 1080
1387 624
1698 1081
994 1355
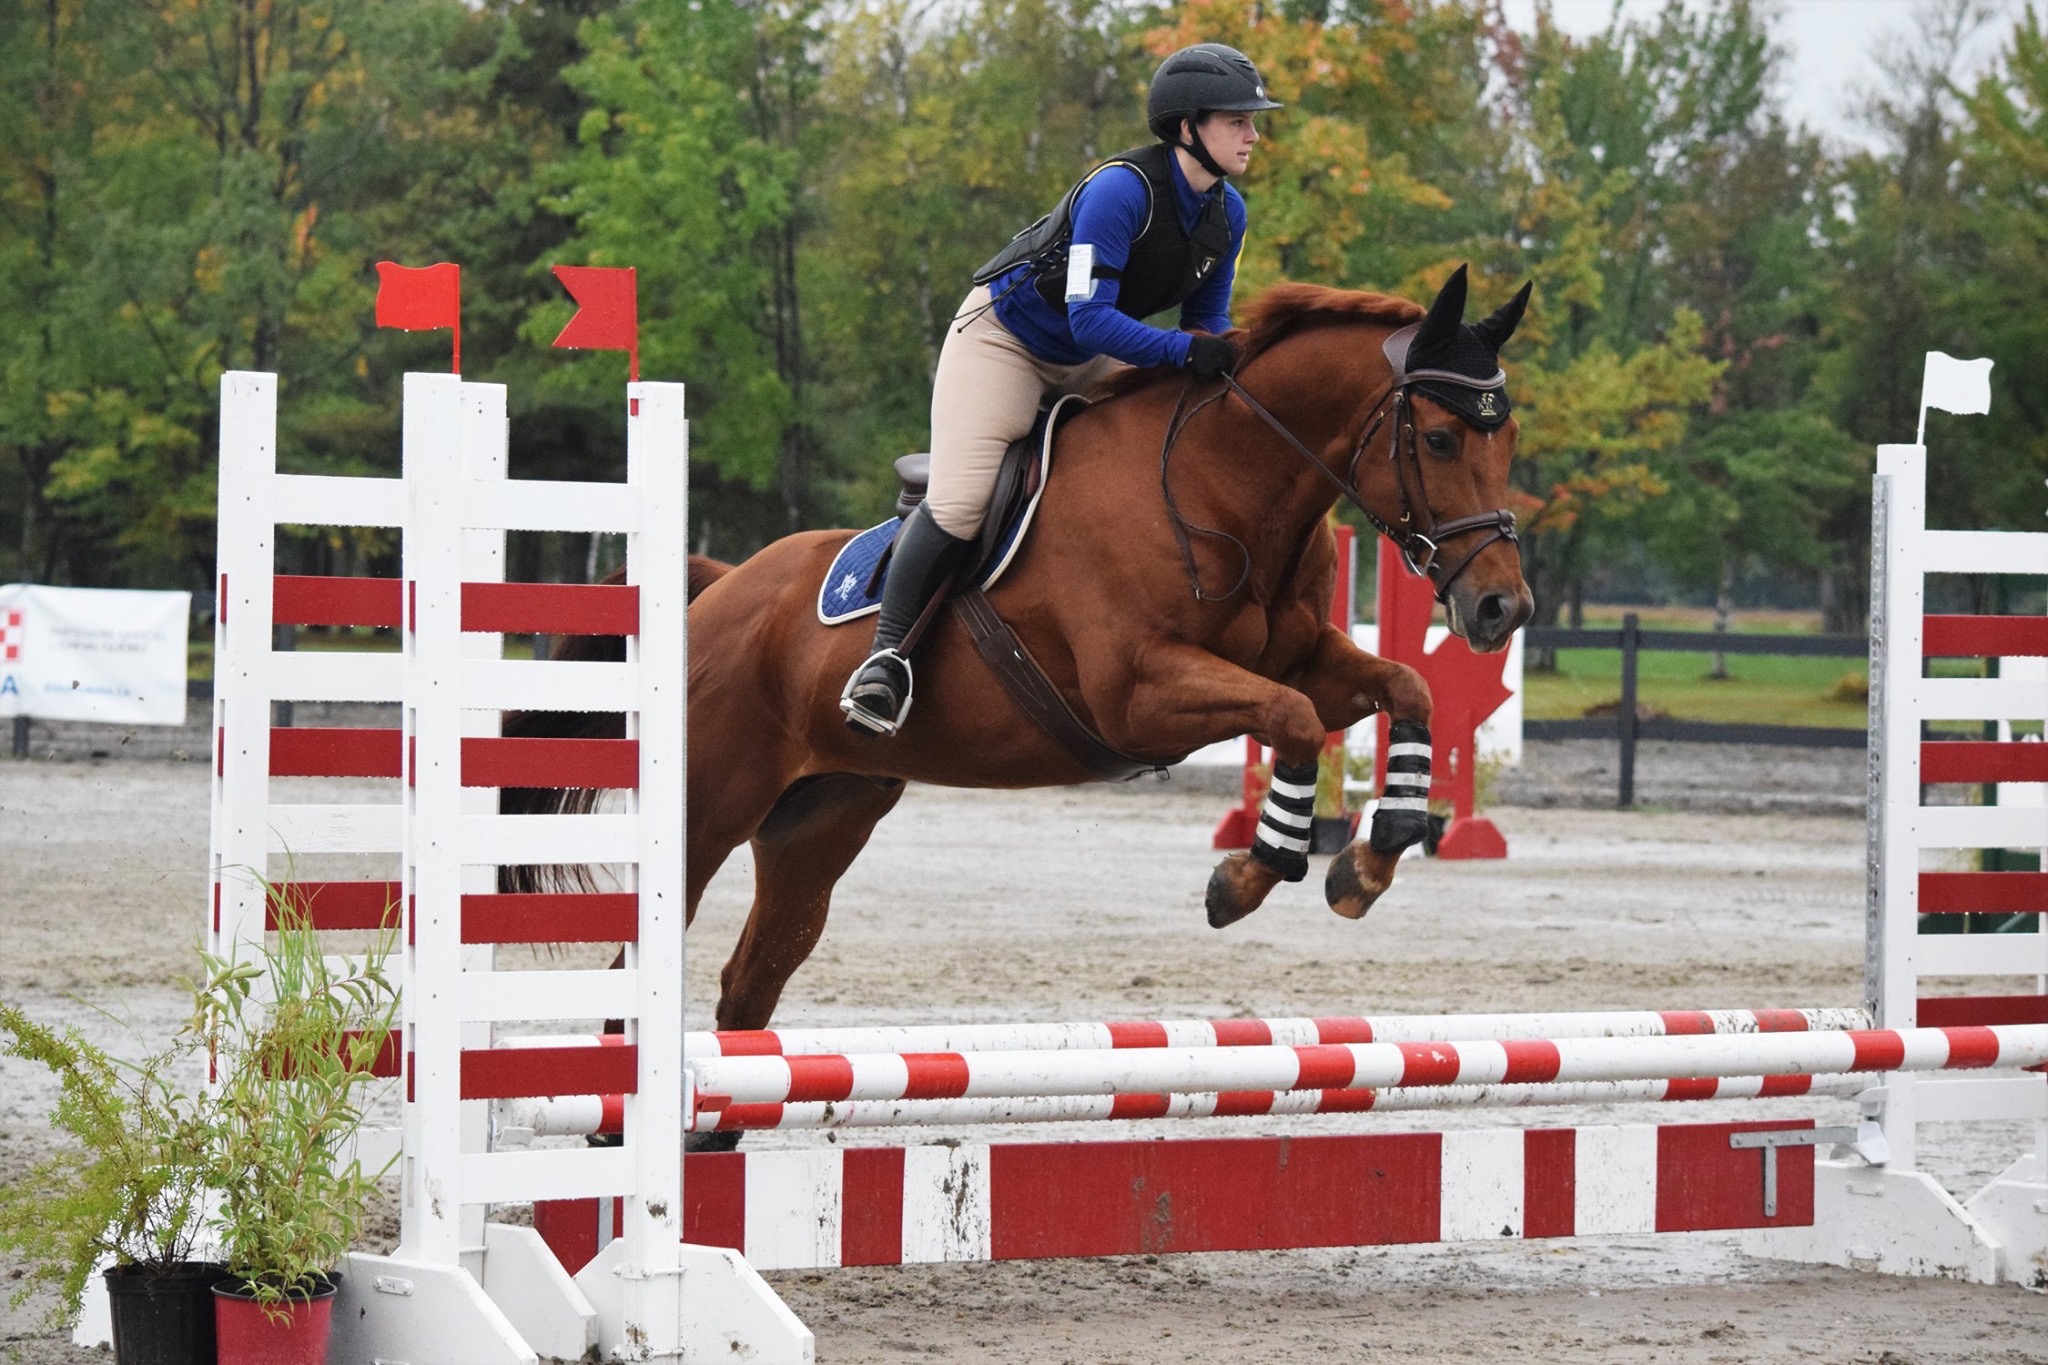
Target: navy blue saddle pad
844 595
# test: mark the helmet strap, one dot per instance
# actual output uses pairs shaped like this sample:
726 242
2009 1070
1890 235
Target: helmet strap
1194 148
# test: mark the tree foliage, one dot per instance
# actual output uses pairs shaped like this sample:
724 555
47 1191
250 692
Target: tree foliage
1729 313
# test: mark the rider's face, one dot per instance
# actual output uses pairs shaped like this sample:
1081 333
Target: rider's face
1229 138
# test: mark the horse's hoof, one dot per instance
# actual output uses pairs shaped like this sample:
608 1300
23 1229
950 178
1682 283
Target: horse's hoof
1226 907
725 1140
1347 895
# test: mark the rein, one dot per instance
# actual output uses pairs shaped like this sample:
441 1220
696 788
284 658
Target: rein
1419 546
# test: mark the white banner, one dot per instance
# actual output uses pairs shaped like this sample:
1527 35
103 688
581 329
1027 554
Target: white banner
95 654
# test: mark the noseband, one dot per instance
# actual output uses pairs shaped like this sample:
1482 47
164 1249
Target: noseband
1420 543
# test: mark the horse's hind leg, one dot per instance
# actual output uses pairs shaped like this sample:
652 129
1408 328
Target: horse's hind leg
801 851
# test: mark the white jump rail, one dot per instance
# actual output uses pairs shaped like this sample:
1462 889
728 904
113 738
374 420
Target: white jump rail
1354 1066
556 1116
588 1115
1149 1033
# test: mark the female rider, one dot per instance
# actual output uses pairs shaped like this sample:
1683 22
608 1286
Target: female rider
1055 312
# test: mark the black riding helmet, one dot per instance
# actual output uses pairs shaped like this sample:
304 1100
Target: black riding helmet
1195 81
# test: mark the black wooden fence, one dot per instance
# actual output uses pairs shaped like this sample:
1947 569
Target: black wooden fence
1626 727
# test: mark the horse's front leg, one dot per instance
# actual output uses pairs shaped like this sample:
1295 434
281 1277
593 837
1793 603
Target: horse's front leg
1346 684
1183 698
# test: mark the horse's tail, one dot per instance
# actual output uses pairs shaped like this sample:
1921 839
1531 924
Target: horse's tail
575 725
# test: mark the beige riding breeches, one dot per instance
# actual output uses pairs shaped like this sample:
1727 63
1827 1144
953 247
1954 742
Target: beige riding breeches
986 395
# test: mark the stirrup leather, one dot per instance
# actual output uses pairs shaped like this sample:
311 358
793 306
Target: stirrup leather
860 715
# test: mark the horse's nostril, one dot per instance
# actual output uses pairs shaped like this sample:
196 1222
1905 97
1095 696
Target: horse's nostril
1493 609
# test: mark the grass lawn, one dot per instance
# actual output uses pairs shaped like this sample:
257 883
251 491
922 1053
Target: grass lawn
1761 689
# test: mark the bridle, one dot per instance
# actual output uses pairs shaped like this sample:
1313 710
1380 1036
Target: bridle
1420 542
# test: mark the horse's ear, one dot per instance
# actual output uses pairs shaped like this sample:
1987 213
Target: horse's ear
1440 328
1496 330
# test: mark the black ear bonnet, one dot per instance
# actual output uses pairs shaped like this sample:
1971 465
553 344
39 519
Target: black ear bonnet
1455 363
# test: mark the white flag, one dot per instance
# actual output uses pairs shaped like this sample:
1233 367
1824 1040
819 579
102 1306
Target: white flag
1953 385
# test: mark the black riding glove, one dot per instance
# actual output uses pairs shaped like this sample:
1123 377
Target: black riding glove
1210 356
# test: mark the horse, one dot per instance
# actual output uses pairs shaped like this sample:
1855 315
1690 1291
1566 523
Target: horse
1173 602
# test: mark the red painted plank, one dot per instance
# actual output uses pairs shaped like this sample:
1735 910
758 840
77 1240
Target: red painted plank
340 905
1963 1011
390 1059
1983 760
871 1218
310 751
1971 893
1704 1184
1550 1182
1982 637
512 1072
578 763
551 917
303 600
551 608
569 1227
1220 1194
715 1199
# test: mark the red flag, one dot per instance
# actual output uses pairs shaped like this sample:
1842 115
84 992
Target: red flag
421 299
607 314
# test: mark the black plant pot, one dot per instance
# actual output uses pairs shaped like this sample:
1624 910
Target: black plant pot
163 1315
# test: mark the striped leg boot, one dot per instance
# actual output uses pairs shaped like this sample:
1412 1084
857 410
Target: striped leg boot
1403 815
1281 841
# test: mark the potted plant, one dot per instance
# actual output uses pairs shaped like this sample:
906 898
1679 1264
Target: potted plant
129 1188
294 1037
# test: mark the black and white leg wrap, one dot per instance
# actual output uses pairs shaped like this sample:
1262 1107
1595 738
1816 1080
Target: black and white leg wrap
1281 841
1403 815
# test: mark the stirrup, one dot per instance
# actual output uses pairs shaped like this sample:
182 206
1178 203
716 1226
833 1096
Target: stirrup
866 719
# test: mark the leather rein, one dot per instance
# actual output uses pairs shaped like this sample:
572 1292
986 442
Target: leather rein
1420 545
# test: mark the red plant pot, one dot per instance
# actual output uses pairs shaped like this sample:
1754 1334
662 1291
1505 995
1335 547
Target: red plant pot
294 1332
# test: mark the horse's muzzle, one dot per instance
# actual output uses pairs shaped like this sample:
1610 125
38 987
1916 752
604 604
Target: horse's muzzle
1488 618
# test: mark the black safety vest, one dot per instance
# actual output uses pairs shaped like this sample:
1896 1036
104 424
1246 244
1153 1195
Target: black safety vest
1167 262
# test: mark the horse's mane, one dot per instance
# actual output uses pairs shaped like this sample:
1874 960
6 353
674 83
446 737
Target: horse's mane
1283 310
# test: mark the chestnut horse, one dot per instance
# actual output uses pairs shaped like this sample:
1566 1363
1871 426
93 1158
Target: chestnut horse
1138 628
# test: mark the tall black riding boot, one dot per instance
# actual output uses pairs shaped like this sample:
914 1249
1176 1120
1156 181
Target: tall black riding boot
877 696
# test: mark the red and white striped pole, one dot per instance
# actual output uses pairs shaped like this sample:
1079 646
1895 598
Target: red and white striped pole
954 1075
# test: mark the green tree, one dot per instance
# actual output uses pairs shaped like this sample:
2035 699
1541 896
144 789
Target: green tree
691 164
2000 295
952 130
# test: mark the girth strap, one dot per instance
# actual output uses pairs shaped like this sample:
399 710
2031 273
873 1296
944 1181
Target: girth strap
1025 683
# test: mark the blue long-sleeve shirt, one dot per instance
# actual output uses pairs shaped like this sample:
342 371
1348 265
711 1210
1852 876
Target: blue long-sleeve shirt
1109 215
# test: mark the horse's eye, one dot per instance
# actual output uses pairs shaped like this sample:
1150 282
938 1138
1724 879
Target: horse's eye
1441 442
